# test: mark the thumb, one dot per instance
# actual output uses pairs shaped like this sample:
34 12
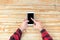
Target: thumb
26 21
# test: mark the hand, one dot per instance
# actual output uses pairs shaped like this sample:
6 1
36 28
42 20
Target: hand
24 25
37 24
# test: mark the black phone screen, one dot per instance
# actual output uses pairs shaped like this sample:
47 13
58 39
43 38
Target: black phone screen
30 15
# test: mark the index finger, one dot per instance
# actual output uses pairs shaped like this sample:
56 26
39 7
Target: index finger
33 20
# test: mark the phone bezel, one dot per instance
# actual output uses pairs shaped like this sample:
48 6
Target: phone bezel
27 17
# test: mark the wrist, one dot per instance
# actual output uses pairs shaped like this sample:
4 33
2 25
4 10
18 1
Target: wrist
43 30
40 29
21 29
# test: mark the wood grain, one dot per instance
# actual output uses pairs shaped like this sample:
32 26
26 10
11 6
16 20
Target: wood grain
13 12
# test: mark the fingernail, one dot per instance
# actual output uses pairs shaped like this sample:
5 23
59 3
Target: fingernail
31 18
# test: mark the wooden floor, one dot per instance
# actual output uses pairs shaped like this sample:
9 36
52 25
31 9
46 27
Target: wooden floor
13 12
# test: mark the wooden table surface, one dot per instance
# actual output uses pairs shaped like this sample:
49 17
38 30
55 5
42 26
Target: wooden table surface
13 12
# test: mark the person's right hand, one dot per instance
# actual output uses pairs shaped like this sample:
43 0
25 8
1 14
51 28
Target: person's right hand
37 24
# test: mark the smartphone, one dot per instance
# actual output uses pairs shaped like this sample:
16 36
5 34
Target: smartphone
29 16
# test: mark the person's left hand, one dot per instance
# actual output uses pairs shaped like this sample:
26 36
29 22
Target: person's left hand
24 25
